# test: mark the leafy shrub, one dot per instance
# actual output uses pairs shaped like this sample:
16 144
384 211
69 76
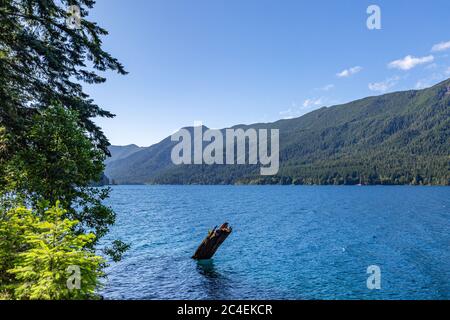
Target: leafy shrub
36 252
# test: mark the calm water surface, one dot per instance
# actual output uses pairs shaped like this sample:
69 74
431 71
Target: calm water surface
288 242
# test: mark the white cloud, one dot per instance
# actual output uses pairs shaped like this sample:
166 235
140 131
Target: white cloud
308 103
410 62
297 111
293 112
348 72
288 114
441 46
328 87
432 79
432 66
385 85
422 84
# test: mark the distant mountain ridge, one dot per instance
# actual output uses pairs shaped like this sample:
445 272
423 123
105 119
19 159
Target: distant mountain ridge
121 152
396 138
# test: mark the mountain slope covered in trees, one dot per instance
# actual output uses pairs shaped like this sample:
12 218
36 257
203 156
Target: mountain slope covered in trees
121 152
396 138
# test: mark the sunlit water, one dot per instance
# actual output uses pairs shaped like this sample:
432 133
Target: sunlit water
288 242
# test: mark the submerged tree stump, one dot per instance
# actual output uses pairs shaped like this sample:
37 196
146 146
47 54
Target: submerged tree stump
212 242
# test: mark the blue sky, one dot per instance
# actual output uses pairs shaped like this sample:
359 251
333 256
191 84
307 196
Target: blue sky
230 62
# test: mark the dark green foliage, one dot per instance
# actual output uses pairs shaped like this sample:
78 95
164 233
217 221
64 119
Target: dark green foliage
397 138
116 251
59 164
43 62
50 148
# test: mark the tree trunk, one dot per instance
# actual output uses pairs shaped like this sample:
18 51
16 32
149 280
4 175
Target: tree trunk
212 242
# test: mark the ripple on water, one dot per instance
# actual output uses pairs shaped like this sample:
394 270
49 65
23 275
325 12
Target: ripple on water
288 242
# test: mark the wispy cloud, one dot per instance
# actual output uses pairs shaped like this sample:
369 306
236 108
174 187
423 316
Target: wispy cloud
307 106
432 66
441 46
423 83
293 112
385 85
432 79
410 62
328 87
348 72
289 114
308 103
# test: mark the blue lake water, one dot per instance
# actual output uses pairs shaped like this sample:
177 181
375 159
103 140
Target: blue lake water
288 242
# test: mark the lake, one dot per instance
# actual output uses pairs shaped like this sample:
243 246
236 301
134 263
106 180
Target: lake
288 242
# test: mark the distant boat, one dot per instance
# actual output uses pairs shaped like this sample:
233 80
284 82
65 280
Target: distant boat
360 182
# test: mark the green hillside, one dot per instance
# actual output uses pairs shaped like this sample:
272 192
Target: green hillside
121 152
396 138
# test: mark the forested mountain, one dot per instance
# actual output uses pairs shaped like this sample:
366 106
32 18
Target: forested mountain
396 138
121 152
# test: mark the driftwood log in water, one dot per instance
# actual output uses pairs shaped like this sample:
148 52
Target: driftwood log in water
212 242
